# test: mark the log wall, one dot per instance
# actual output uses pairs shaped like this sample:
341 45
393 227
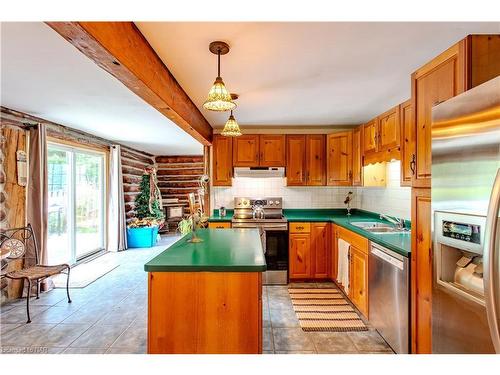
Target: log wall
12 195
179 175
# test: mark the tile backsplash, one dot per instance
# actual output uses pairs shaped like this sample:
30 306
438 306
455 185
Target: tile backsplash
393 199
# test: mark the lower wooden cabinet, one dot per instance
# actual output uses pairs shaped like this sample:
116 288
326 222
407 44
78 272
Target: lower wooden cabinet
309 251
358 279
219 225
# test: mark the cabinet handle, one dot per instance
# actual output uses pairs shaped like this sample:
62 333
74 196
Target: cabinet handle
350 175
300 228
413 163
262 155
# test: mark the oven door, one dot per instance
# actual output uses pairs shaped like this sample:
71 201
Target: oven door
276 253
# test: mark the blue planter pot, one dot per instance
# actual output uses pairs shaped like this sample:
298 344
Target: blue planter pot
142 237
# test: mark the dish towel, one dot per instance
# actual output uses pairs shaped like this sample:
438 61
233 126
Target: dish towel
343 264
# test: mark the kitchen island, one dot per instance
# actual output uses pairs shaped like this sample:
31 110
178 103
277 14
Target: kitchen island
207 297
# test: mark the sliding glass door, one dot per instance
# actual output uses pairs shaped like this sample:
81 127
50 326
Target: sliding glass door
76 222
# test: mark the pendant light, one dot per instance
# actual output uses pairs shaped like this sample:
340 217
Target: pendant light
231 129
219 98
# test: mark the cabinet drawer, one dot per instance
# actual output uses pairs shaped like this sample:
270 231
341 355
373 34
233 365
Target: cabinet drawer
360 242
221 225
300 227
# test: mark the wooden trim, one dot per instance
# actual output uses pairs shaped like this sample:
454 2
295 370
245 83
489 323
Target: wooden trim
121 50
69 143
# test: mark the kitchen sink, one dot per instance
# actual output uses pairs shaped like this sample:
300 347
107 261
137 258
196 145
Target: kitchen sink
376 227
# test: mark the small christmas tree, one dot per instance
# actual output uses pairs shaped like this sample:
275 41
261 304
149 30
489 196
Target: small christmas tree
148 202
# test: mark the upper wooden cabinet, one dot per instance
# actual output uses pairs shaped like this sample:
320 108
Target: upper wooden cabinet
253 150
272 150
468 63
407 143
370 135
357 157
389 130
339 159
315 160
296 160
246 151
222 156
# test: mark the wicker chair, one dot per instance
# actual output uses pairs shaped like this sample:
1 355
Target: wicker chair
13 245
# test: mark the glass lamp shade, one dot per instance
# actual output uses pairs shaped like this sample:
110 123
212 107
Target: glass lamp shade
219 99
231 129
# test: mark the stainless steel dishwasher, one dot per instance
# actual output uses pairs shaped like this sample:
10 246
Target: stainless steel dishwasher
388 296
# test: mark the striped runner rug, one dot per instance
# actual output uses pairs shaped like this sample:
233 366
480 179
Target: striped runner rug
324 310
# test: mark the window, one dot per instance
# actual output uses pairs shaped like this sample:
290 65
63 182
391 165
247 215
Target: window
76 203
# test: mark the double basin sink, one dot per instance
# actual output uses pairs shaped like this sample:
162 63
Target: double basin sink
378 228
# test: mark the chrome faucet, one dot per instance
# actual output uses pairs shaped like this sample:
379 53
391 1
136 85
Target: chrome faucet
398 222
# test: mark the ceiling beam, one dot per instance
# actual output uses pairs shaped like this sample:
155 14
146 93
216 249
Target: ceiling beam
121 50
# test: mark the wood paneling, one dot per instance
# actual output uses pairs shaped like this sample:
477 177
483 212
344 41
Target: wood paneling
121 50
315 160
407 143
272 150
246 151
205 313
222 161
358 279
300 256
320 250
296 160
484 58
421 271
357 157
339 159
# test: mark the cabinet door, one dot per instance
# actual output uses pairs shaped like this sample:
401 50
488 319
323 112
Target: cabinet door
407 143
421 271
300 256
315 160
272 150
246 151
334 252
320 248
339 159
357 158
389 130
222 160
439 80
358 279
295 160
370 137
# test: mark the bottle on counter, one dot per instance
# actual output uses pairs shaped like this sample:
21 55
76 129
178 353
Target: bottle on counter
222 211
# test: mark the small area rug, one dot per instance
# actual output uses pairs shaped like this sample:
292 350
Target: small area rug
86 273
324 310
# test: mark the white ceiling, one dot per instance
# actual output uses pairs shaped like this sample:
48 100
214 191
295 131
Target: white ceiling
304 73
45 76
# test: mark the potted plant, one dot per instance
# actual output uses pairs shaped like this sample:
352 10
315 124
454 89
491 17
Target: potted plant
142 231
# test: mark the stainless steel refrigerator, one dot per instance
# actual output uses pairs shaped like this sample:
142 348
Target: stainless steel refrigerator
465 212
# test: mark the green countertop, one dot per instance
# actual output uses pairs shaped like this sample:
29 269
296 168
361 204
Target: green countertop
398 242
229 250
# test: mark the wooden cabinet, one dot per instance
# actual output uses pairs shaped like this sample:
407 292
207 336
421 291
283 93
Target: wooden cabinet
339 159
265 150
296 160
468 63
407 143
320 254
300 256
370 135
246 151
222 156
219 225
421 271
272 150
357 157
315 160
389 130
358 279
309 251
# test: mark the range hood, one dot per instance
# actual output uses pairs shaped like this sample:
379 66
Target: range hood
259 172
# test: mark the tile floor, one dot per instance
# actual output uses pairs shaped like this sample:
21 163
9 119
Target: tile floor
109 316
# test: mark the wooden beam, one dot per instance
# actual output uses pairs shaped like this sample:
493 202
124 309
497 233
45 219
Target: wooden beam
121 50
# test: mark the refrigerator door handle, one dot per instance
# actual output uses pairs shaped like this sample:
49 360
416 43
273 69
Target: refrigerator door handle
492 265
